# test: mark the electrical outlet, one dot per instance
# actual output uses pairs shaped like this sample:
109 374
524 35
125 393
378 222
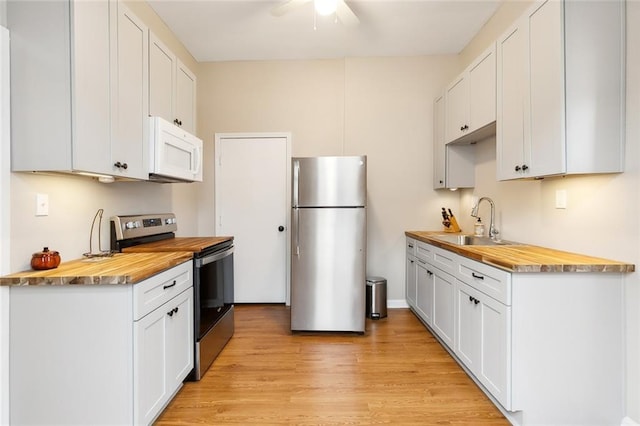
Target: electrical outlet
42 204
561 199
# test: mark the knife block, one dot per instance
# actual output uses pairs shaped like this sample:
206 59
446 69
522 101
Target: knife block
451 225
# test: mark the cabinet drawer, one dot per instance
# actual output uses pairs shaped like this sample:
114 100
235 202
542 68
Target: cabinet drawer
424 252
157 290
444 259
411 246
489 280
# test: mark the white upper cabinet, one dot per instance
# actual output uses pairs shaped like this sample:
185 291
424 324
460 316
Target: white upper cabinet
453 165
60 86
78 82
471 100
186 98
130 107
561 91
172 87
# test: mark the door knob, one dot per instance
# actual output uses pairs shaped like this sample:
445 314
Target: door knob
280 228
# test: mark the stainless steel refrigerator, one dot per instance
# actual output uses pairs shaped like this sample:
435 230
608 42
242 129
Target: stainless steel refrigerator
328 243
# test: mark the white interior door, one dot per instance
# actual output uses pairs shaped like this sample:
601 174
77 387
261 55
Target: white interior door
252 193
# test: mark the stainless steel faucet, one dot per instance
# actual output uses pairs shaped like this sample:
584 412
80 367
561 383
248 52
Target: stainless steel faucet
493 232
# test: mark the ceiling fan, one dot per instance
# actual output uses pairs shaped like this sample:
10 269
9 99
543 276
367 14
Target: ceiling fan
322 7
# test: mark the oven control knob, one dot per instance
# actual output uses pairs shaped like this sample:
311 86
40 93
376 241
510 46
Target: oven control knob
132 225
171 221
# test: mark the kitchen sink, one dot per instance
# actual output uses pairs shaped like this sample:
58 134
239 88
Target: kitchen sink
471 240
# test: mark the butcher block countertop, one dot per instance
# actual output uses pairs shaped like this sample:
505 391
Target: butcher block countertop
121 268
525 258
190 244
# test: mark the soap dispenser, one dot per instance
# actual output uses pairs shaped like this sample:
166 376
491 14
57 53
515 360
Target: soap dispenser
478 228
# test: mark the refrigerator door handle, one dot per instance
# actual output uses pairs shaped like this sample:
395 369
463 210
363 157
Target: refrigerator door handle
296 175
296 225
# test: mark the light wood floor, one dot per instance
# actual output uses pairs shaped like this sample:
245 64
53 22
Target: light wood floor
397 373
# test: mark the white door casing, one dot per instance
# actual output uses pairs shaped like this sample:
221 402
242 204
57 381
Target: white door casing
252 200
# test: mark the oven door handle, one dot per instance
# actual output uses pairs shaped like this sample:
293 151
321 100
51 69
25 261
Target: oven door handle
212 258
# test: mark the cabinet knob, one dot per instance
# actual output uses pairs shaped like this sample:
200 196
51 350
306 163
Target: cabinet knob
177 122
429 272
524 167
518 168
121 165
441 182
476 301
463 128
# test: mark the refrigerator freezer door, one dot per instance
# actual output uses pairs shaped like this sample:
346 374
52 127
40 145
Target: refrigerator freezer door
328 269
329 181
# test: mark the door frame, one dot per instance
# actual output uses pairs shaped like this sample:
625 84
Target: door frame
262 135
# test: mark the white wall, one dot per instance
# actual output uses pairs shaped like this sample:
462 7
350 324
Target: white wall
603 212
381 107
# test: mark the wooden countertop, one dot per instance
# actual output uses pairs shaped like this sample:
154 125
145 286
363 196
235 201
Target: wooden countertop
525 258
121 268
190 244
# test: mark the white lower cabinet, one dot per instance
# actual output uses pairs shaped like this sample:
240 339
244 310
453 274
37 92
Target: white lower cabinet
100 354
163 355
412 265
483 340
424 292
443 303
534 342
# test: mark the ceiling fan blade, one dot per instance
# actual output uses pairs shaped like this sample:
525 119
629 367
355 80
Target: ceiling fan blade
287 6
346 15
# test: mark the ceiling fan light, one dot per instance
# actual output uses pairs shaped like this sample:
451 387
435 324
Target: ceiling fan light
325 7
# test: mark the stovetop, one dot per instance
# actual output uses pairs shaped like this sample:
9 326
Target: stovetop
156 233
192 244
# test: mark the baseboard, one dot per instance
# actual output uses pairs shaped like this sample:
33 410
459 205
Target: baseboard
397 304
627 421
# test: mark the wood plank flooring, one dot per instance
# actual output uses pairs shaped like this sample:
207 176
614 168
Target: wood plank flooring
397 373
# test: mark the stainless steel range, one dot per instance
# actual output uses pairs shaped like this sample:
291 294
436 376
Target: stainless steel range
212 276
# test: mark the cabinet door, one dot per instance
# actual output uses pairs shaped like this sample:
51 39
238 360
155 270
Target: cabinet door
512 97
91 134
162 78
150 365
129 143
439 149
457 120
482 90
547 93
412 265
424 292
483 341
495 354
186 98
444 305
180 344
468 338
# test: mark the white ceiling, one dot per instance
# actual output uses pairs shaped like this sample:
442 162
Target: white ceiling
229 30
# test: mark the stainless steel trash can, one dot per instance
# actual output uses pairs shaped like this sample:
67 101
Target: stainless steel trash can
376 297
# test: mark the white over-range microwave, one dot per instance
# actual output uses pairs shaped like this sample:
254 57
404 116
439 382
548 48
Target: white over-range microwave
175 155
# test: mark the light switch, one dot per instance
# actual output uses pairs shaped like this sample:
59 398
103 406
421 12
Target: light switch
42 204
561 199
